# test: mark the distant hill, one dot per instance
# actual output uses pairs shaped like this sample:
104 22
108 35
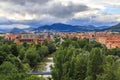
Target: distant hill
16 30
103 27
113 28
65 28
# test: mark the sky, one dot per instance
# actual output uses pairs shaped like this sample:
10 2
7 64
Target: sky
34 13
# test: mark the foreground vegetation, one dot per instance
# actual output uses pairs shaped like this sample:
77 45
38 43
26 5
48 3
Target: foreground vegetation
73 60
17 60
84 60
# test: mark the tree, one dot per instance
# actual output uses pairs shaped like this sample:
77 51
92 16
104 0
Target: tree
110 69
117 72
34 78
70 64
32 57
5 48
2 57
115 51
7 68
51 46
83 42
43 51
80 67
95 64
14 60
22 53
14 49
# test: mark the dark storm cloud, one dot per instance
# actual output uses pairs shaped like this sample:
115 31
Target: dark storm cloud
23 2
44 7
62 11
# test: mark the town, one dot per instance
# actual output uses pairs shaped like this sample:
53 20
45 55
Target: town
109 39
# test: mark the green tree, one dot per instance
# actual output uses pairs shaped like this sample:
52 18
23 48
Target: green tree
51 47
43 51
21 50
110 69
5 48
83 42
14 49
14 60
95 64
7 68
115 51
32 57
2 57
34 78
80 66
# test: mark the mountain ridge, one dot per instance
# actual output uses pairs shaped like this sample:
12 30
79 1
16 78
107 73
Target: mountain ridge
65 27
115 28
59 27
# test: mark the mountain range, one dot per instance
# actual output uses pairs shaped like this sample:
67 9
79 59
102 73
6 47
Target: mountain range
63 28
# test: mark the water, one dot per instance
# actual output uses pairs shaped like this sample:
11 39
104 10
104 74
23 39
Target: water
48 66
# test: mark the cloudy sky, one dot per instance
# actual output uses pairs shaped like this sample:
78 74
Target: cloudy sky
32 13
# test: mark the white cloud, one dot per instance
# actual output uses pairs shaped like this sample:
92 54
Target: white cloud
51 11
14 26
